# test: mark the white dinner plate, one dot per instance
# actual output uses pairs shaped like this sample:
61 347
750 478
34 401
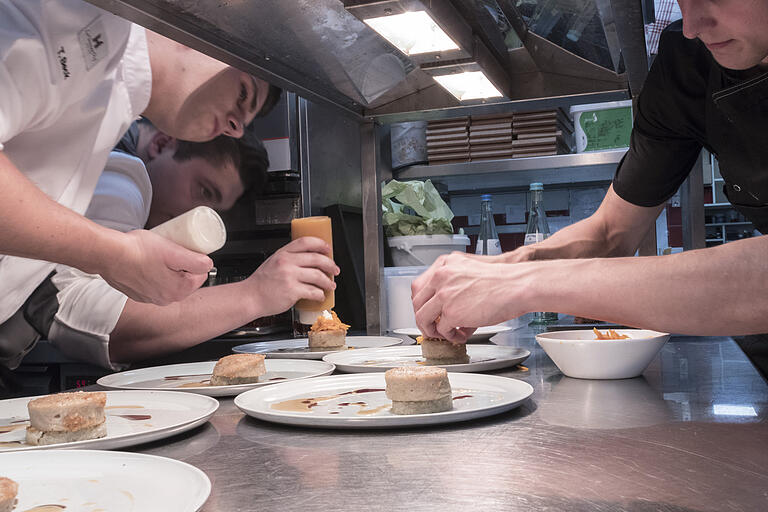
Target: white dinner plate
297 348
481 334
91 480
482 358
133 417
359 401
195 377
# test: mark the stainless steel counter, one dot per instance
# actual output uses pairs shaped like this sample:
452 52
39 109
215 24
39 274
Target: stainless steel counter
690 435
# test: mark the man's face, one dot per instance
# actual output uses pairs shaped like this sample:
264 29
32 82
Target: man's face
179 186
735 31
218 102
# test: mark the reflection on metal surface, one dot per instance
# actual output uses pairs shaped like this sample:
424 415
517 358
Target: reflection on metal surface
600 404
574 25
734 410
322 50
533 459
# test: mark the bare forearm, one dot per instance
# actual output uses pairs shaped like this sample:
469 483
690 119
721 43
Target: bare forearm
146 330
716 291
579 240
615 229
34 226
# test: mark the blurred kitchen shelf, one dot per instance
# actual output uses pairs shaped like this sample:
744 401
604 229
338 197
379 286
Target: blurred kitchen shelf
746 223
583 168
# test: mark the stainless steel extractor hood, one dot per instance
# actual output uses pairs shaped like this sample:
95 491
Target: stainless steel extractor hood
325 51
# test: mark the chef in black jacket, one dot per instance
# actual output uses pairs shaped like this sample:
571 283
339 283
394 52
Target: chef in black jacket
708 87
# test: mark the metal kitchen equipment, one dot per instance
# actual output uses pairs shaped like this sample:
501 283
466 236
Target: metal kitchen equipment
351 82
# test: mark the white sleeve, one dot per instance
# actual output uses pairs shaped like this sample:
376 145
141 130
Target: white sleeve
43 67
89 309
25 76
123 194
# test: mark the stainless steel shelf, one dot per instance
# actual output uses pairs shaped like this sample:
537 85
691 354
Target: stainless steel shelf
747 223
584 168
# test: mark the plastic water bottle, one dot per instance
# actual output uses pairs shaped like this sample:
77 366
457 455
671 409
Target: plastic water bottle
536 231
488 239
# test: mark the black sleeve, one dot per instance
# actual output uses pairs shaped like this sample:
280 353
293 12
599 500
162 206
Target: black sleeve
669 123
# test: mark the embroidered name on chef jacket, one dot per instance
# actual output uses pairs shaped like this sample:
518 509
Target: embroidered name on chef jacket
93 43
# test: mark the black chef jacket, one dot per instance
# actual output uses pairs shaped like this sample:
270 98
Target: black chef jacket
689 101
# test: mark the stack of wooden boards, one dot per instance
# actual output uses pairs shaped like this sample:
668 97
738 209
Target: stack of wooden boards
448 141
497 136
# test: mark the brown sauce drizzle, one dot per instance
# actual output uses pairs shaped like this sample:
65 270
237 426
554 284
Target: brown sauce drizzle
366 412
462 396
15 425
306 404
201 384
179 377
277 378
134 417
46 508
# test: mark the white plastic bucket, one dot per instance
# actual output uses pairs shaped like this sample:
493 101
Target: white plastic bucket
397 283
417 250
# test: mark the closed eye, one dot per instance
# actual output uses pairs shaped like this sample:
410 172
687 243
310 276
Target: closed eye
243 94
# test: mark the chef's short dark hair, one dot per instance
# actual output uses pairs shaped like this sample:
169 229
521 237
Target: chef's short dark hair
248 155
273 96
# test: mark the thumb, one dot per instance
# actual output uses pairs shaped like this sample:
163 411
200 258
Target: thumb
190 261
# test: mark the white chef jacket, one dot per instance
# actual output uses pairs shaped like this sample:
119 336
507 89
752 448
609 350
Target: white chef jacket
89 308
72 78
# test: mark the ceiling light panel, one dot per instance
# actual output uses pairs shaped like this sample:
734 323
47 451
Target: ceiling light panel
470 85
413 33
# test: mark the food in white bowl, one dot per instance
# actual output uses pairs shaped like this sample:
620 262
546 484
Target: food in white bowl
580 355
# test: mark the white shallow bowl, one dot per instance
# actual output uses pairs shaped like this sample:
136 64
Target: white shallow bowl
578 354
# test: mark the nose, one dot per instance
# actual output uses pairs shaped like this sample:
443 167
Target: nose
696 17
234 126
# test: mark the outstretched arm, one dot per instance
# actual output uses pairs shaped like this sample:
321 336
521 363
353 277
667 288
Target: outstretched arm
141 264
715 291
299 270
676 293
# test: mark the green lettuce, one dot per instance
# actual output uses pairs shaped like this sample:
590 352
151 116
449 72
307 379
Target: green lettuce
414 208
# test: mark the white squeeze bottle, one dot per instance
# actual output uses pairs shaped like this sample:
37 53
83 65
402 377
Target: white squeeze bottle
200 230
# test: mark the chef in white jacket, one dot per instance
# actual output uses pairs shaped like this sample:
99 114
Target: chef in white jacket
72 78
153 177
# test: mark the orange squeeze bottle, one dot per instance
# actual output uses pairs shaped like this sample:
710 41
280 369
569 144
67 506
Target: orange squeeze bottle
319 227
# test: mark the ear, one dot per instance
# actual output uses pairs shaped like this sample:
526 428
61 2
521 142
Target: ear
159 143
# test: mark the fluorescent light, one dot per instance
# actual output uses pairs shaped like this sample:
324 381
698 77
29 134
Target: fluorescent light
734 410
412 32
471 85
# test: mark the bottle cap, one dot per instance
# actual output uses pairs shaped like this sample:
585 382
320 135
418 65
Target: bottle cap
485 197
537 186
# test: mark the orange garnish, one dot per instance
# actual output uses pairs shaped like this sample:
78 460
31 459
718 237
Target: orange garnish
609 335
328 324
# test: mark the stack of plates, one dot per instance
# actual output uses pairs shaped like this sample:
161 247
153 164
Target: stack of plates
448 141
541 133
490 137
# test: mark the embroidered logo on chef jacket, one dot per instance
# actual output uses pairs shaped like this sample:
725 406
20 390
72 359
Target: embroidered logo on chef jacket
93 43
